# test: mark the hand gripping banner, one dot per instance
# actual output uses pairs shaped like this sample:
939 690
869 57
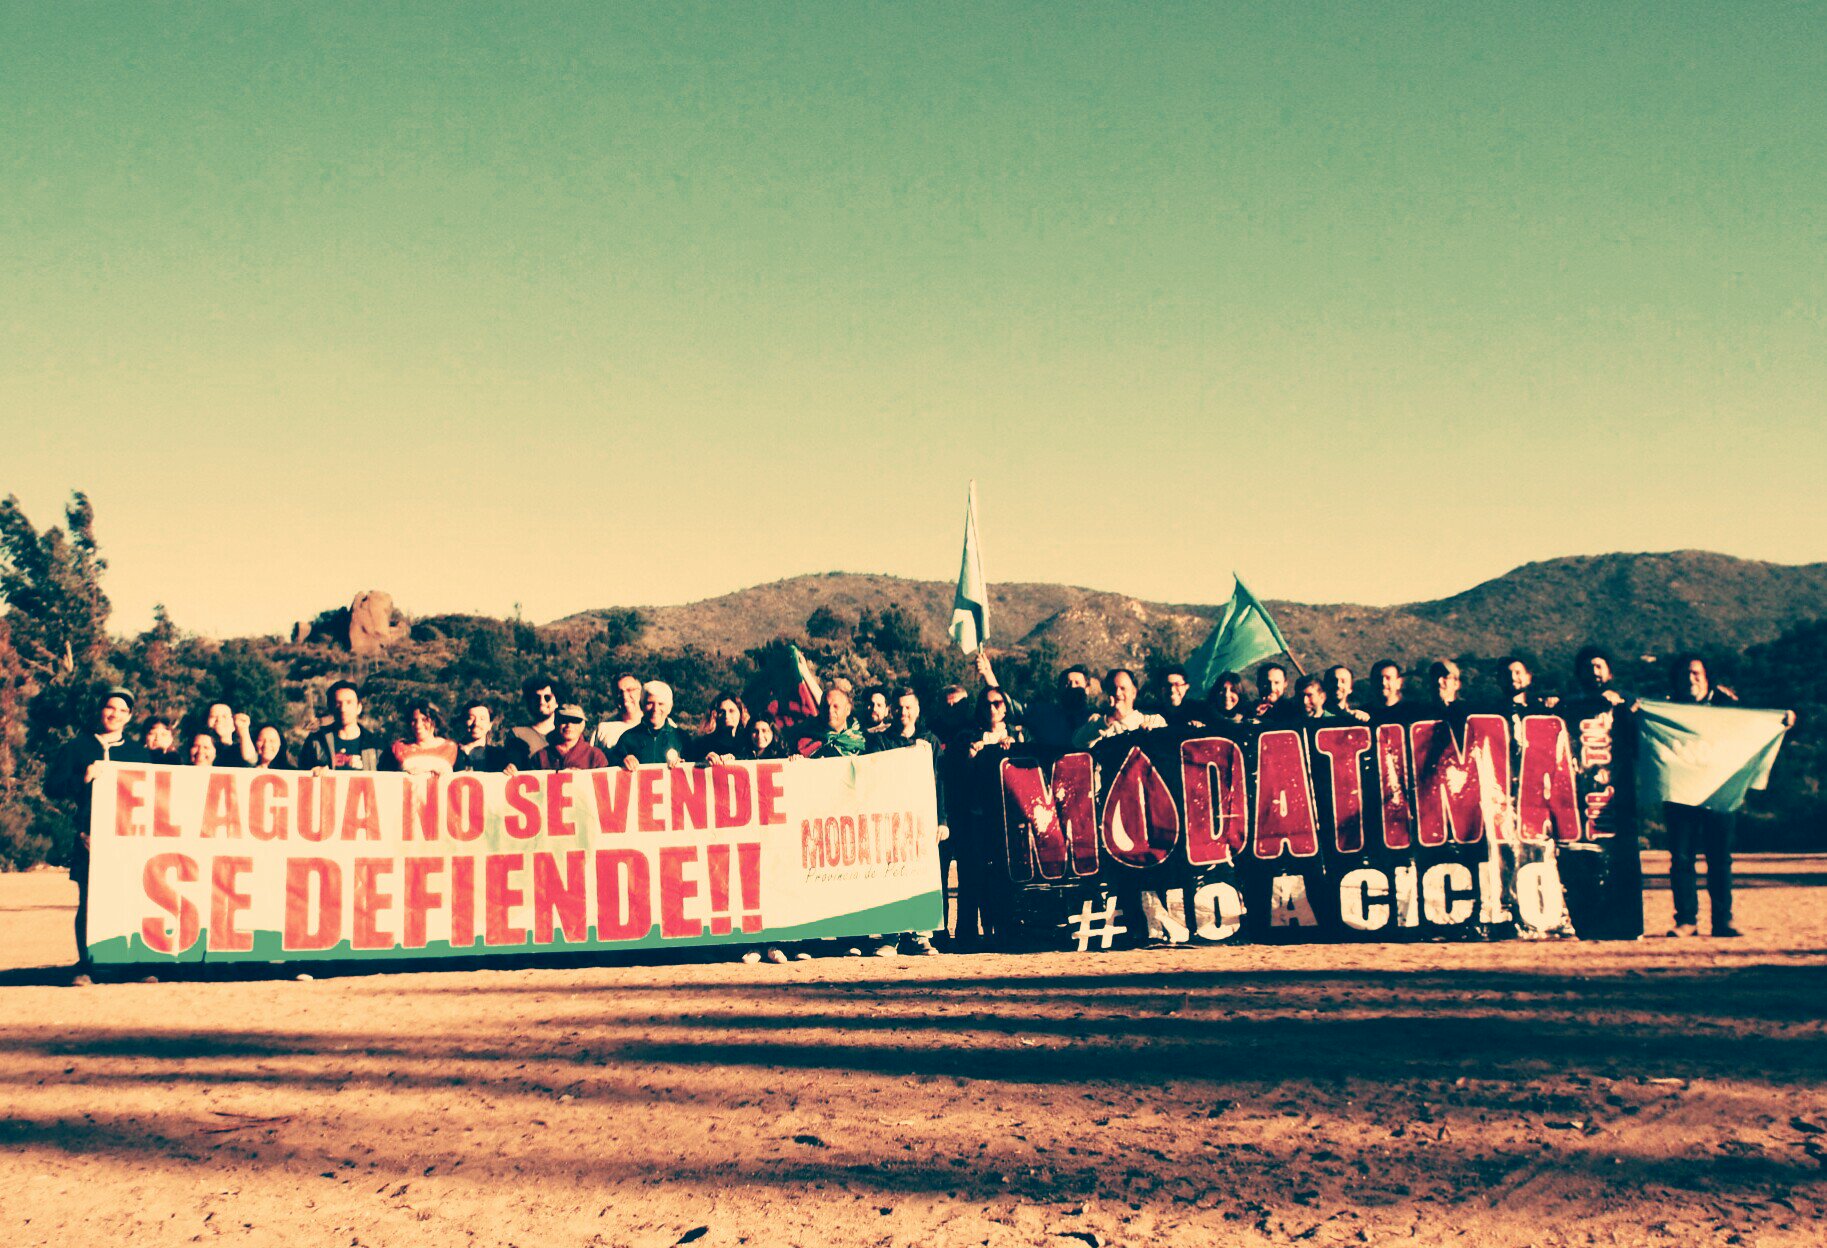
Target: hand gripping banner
203 865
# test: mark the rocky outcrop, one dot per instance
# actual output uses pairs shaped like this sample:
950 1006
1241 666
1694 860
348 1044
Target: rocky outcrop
372 623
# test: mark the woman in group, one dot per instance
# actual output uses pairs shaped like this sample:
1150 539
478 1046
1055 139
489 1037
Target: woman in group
161 744
202 751
1226 704
426 751
973 789
760 740
269 749
727 736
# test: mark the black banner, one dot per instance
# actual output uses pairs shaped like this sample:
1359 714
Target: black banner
1450 826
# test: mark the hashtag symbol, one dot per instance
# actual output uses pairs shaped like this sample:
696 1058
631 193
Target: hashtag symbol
1085 933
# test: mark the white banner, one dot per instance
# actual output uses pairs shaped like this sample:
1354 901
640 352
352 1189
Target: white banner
203 864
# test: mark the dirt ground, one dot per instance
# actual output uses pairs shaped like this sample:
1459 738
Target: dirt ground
1661 1092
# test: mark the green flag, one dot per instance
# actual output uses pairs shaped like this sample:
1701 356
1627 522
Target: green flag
971 604
1244 634
1704 755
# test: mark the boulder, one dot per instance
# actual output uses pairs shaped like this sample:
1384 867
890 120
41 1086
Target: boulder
371 626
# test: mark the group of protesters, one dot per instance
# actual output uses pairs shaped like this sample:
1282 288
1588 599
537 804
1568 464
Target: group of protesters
555 733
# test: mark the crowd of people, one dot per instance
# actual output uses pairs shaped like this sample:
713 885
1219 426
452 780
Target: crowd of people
556 733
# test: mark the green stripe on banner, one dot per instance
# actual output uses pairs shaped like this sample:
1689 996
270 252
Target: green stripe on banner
912 914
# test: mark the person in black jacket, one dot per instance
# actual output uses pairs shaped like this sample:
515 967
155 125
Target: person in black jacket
656 739
1388 708
70 778
345 745
727 736
1694 830
476 752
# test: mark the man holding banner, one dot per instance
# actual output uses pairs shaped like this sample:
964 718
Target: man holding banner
1700 756
71 778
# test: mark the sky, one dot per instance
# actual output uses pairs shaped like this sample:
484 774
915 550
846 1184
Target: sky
563 306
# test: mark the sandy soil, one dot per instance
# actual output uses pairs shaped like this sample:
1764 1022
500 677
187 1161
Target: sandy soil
1662 1092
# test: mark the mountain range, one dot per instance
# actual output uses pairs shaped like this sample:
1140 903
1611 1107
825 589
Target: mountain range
1630 603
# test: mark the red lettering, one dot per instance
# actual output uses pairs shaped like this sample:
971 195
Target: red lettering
362 814
563 895
1545 788
1217 800
226 902
221 807
161 805
462 903
1285 819
558 802
463 808
1393 785
732 802
126 801
1461 791
316 818
371 903
623 908
647 804
522 821
768 794
1050 821
419 806
300 933
161 892
676 890
420 899
690 797
267 816
500 897
1343 747
1141 823
612 799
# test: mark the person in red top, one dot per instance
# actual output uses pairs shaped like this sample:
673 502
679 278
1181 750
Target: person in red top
568 750
426 751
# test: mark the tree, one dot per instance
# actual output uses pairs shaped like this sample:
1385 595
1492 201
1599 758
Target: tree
23 813
51 582
824 624
894 632
248 682
55 657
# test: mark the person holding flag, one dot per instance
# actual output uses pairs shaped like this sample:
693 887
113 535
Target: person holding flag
1244 634
787 691
1699 754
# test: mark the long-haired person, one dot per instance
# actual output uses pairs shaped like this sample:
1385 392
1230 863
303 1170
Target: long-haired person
424 750
270 753
1228 702
726 735
973 794
761 740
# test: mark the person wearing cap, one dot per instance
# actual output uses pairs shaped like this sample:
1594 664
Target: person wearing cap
568 751
656 739
71 778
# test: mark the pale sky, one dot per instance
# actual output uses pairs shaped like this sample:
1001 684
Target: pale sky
590 305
